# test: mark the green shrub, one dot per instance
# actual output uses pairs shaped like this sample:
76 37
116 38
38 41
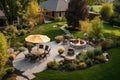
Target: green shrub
61 50
10 69
85 26
81 54
73 66
89 62
53 65
21 49
101 58
97 51
22 32
17 44
81 59
13 29
106 44
4 55
58 39
106 10
90 53
69 66
82 65
28 45
59 19
12 78
23 26
96 30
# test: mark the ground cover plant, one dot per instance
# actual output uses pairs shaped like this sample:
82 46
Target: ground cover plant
106 71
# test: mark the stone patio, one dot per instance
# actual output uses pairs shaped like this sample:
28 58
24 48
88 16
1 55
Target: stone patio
30 68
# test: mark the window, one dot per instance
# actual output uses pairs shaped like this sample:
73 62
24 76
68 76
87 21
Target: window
60 13
53 14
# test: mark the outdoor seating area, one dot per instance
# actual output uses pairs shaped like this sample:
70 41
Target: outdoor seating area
43 53
38 54
59 39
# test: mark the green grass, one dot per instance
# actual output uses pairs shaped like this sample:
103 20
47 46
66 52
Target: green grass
109 29
44 29
107 71
49 30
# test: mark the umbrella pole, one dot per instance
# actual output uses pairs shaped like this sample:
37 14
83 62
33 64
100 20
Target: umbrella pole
37 46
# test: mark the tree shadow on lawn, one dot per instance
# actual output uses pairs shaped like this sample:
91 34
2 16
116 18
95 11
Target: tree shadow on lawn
53 33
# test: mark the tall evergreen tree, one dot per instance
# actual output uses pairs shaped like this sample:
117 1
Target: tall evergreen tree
77 10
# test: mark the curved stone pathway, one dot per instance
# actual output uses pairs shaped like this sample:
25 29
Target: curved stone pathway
65 30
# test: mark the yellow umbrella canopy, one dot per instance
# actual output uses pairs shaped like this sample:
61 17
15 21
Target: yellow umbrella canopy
37 38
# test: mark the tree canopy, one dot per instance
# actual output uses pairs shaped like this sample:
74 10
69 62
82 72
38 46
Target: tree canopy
14 8
77 10
94 2
117 6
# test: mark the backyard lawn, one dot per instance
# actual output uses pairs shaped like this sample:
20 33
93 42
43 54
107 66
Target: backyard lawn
107 71
44 29
52 31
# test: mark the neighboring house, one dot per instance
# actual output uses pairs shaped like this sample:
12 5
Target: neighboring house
3 20
56 8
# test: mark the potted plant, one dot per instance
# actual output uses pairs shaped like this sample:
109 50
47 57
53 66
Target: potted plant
58 39
61 50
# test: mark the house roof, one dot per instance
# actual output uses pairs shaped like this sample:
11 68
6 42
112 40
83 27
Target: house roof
2 14
55 5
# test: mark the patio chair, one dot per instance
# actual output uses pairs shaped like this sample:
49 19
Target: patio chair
44 56
40 57
48 52
70 52
33 58
29 49
27 57
41 46
46 48
65 42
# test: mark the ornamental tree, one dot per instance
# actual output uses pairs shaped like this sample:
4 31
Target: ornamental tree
3 55
77 10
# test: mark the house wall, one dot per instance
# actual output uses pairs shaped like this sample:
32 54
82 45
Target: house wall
53 14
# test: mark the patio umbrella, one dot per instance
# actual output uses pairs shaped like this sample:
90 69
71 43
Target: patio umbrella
37 38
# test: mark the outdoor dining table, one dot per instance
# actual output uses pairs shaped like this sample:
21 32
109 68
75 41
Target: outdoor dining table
37 51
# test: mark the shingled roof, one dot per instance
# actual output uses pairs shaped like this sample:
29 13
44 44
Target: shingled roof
55 5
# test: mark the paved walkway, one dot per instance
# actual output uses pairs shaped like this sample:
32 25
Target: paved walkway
65 30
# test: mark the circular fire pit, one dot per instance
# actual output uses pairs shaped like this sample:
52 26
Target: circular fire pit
78 43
